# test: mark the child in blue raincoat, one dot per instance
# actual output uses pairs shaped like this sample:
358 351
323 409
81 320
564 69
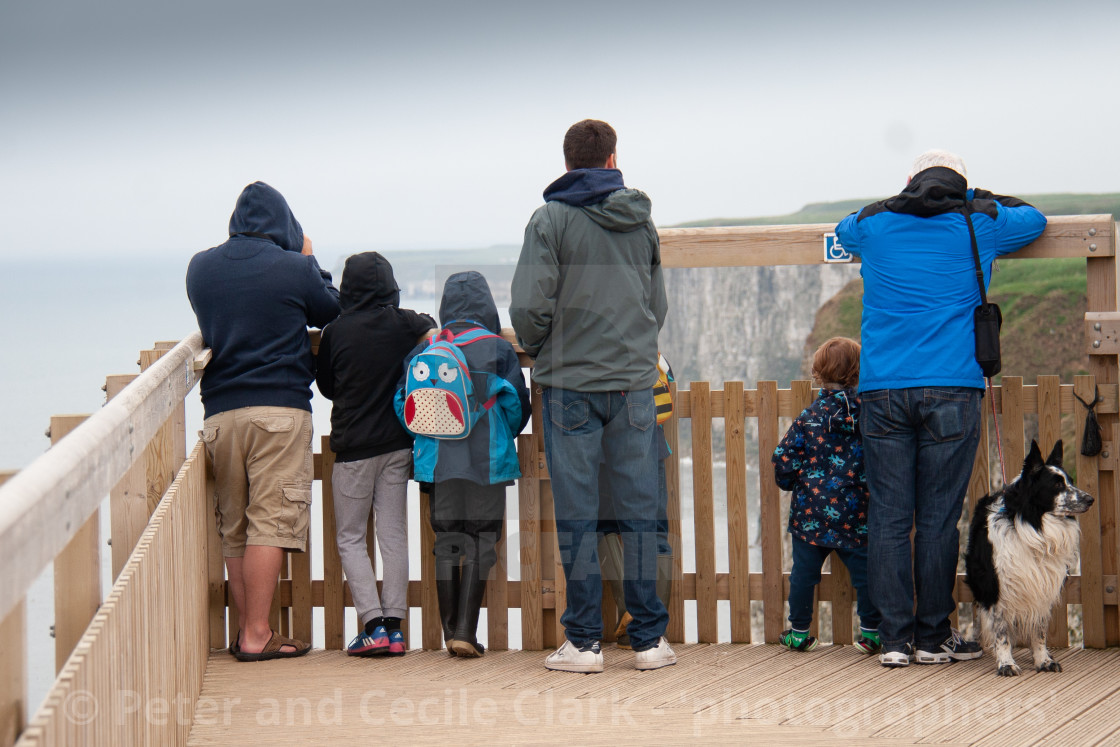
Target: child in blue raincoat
469 475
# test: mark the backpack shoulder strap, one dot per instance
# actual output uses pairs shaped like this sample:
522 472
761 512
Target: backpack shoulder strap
474 334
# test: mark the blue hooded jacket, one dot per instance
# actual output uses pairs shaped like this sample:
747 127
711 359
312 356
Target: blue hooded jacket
919 277
488 456
254 297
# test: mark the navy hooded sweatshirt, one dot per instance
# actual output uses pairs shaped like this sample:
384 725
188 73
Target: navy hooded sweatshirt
360 359
254 297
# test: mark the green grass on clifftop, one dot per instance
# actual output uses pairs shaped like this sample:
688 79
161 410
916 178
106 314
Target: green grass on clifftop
833 212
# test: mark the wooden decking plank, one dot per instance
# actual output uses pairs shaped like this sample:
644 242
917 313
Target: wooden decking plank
962 681
1030 700
802 674
716 693
915 712
909 691
691 684
1097 725
1062 705
772 670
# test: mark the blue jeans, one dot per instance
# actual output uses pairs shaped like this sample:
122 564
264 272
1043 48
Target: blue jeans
919 447
607 523
617 429
806 574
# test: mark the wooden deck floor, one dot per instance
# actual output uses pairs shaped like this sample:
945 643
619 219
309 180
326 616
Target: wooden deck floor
716 693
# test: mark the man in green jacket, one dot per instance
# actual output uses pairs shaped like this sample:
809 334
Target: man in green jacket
588 300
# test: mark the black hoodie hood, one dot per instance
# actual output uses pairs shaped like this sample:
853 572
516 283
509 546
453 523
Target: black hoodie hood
367 283
262 212
467 297
931 192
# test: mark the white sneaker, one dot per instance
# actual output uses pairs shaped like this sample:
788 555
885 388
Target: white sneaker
661 655
569 658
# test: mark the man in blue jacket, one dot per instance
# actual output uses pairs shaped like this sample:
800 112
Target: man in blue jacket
254 297
921 388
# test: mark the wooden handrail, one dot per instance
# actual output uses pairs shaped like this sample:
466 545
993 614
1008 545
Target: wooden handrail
44 505
756 246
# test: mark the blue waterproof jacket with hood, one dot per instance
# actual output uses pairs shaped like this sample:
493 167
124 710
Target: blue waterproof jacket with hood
488 456
919 277
254 297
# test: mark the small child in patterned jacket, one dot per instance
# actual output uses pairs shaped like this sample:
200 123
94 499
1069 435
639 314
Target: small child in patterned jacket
820 459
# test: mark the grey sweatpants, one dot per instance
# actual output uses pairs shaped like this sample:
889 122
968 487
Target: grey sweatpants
379 484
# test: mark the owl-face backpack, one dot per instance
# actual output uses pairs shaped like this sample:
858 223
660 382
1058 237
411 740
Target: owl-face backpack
439 396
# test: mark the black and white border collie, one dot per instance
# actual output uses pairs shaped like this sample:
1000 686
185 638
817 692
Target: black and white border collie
1021 544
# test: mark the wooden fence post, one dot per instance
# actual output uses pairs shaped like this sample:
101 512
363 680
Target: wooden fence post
128 500
166 452
334 600
431 635
1092 585
675 631
738 535
77 570
703 512
1049 433
13 668
1101 296
529 541
773 580
215 565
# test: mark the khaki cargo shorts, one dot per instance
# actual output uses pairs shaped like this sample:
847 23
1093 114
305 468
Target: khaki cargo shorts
261 457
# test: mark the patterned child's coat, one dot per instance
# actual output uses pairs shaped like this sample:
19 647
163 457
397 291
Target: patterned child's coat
820 459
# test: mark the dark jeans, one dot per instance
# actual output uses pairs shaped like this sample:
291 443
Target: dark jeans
582 430
607 522
919 446
806 574
467 519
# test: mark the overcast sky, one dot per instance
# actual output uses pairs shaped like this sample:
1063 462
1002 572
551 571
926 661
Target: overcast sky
130 128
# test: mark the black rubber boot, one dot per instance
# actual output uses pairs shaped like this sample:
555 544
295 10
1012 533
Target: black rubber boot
465 642
447 592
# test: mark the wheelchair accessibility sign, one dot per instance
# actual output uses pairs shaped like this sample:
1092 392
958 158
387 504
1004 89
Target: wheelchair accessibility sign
834 250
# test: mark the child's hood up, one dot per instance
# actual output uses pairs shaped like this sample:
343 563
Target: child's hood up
368 282
467 297
262 212
839 409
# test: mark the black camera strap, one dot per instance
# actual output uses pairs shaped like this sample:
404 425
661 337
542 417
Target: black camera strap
967 210
976 251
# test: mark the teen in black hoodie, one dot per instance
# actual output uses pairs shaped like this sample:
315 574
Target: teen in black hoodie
359 362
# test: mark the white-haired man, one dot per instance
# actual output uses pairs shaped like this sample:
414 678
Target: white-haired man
921 387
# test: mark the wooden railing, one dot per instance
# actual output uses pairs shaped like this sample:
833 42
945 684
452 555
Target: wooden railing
147 643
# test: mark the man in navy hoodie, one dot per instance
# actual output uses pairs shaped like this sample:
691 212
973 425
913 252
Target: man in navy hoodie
254 297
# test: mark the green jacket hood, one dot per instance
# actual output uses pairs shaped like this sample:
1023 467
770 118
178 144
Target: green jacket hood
623 210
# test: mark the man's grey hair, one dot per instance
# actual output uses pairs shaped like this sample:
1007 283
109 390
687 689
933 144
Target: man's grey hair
932 158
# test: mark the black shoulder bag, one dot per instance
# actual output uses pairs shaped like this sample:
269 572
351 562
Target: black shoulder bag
987 318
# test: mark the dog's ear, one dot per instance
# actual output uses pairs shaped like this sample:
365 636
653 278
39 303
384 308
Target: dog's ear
1055 458
1034 459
